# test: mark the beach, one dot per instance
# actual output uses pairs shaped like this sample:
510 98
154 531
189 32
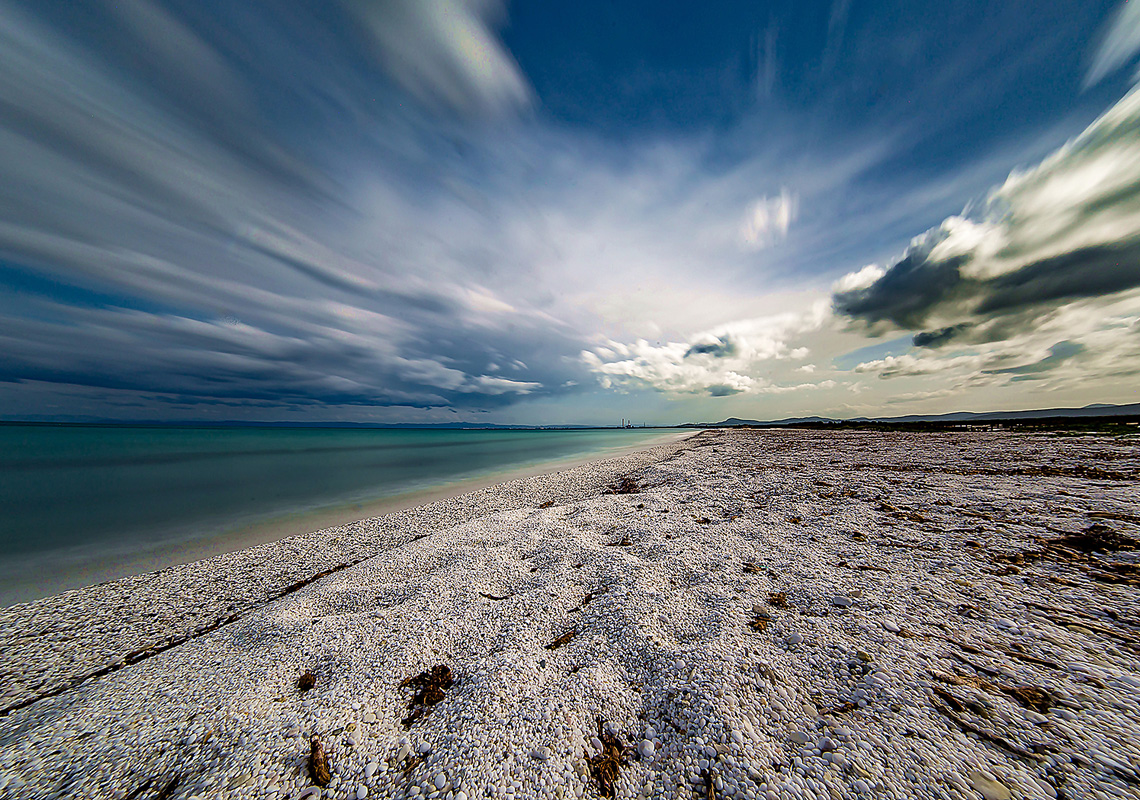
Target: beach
742 613
88 504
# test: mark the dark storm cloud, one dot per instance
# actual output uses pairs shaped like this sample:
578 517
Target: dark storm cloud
1065 231
907 292
937 338
1086 272
723 390
1058 354
720 348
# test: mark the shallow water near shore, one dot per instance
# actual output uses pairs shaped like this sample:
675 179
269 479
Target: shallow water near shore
84 504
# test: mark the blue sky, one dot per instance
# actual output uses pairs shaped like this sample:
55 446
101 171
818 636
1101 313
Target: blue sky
469 210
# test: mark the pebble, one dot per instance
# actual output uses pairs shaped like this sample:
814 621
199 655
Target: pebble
646 748
793 638
990 789
891 626
540 753
843 601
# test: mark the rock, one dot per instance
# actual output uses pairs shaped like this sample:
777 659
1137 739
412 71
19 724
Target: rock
646 748
826 745
799 737
361 792
423 748
370 717
440 780
989 789
238 781
793 638
540 753
371 769
892 626
841 600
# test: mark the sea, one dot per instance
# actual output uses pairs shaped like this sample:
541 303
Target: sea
82 504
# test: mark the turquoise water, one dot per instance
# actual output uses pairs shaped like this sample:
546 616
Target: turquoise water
77 503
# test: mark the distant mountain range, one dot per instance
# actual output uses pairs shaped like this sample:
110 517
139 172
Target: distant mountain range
1094 410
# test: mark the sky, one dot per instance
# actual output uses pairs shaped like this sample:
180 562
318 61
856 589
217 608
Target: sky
424 211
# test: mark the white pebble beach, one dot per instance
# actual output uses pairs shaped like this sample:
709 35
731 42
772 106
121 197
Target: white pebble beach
770 614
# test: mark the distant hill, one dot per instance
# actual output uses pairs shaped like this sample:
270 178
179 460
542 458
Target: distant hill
1094 410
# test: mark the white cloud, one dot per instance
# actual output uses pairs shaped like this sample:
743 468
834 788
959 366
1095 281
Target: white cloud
446 53
721 361
859 279
487 384
1119 45
768 219
1065 229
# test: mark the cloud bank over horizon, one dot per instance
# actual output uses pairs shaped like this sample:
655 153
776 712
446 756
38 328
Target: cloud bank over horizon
467 210
1048 263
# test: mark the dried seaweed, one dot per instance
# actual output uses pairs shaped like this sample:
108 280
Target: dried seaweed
306 682
626 485
758 623
1096 538
430 687
318 763
590 596
605 766
750 568
563 639
778 599
1036 698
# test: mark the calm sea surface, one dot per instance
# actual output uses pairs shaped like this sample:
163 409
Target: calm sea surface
81 504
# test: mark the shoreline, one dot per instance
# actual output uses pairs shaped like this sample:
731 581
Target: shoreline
90 568
754 614
190 598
